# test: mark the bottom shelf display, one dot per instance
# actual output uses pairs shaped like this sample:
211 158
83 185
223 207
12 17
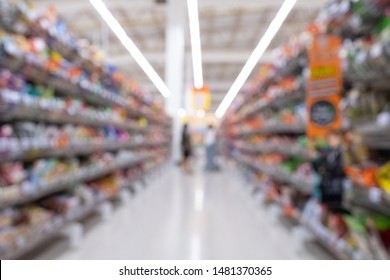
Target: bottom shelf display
24 228
288 200
331 230
344 231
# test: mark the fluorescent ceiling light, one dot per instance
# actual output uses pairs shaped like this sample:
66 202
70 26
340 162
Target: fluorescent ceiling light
118 30
195 43
255 56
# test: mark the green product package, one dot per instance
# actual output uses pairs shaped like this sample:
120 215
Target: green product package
366 11
383 27
292 164
381 222
302 140
356 223
47 92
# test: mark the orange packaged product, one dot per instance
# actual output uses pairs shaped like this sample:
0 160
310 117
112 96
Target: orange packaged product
271 195
289 119
289 211
365 177
63 141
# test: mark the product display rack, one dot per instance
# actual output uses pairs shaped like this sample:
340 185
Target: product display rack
39 235
80 175
74 132
372 199
278 174
292 150
263 129
24 149
338 248
35 109
272 128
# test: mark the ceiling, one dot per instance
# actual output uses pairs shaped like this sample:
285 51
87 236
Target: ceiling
230 30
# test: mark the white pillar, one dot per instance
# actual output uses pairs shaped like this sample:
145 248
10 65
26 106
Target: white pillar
188 86
174 66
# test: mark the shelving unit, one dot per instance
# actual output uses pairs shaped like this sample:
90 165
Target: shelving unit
38 235
37 109
338 247
272 128
76 134
256 130
278 173
87 173
24 149
294 150
372 199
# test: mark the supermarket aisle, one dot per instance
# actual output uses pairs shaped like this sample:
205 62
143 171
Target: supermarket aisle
199 216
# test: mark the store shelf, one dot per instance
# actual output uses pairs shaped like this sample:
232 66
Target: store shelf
375 82
374 135
293 66
338 247
373 128
17 194
288 99
362 27
30 149
273 128
153 120
33 68
291 150
278 102
33 238
40 234
370 198
51 77
382 143
250 105
56 42
279 174
15 106
24 113
351 20
281 205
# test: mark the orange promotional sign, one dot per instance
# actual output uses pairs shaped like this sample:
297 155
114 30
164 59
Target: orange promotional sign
201 98
324 86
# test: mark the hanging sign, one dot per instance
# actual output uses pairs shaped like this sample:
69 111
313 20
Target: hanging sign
201 98
324 86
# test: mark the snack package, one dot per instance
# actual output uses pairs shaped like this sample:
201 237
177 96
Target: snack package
383 177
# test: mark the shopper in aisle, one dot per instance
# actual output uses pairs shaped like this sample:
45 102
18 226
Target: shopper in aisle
328 164
186 149
210 142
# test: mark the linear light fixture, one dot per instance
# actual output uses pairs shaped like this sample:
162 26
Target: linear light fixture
195 43
263 44
118 30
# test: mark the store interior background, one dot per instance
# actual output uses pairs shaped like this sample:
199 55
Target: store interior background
238 212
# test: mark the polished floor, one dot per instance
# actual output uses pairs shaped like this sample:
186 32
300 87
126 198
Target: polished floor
180 216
